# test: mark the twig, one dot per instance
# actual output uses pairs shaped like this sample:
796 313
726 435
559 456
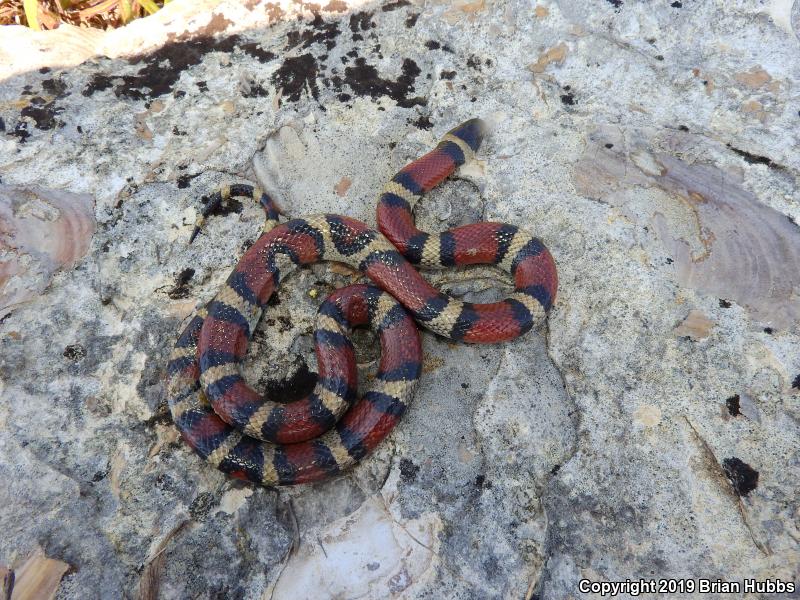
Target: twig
150 581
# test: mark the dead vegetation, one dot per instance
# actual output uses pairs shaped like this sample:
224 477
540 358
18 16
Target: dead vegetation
100 14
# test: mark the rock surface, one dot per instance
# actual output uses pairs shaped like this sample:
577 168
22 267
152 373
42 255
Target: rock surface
650 432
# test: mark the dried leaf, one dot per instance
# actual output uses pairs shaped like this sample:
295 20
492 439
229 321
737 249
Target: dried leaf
39 577
343 185
50 14
554 55
473 7
696 326
150 581
6 583
754 78
97 9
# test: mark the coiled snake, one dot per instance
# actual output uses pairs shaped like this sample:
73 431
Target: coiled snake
247 436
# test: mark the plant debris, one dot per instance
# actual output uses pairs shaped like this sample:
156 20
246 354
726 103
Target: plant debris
100 14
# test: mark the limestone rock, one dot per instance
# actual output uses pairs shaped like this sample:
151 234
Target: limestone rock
653 148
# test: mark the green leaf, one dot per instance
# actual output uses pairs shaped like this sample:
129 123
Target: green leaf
150 6
32 13
126 10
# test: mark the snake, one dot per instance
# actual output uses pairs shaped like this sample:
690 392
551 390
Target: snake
272 442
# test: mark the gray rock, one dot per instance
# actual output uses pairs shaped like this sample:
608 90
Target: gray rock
599 448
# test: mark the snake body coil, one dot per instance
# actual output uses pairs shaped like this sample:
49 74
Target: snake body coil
272 443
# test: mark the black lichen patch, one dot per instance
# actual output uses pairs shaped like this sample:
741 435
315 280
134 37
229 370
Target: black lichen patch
616 4
754 159
181 288
43 113
318 32
408 470
769 330
395 5
432 45
411 21
98 83
796 383
742 476
733 405
55 87
724 303
201 506
361 21
676 4
258 52
158 72
423 123
294 75
284 324
482 483
74 352
568 99
161 69
299 385
364 80
255 90
449 75
184 181
100 475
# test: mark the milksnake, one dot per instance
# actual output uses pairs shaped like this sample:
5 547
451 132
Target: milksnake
269 442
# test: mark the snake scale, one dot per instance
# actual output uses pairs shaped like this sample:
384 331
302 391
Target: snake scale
269 442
